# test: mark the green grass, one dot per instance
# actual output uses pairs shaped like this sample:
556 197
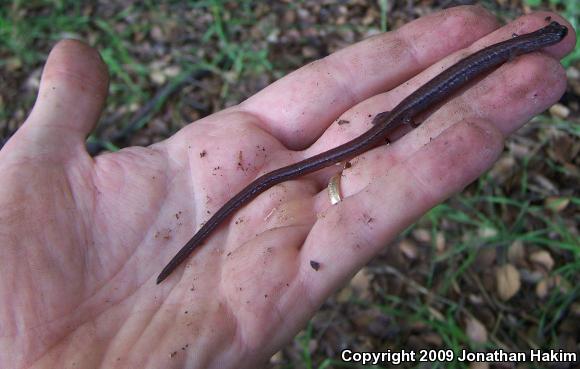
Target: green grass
234 57
20 32
479 210
384 5
25 24
462 256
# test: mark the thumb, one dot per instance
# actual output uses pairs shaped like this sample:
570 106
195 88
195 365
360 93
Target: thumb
72 93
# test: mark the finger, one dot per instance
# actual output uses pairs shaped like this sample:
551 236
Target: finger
299 107
415 168
71 96
525 24
502 97
348 234
507 99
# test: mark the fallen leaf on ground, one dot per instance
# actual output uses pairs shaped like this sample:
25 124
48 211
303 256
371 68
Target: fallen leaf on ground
508 281
476 331
542 258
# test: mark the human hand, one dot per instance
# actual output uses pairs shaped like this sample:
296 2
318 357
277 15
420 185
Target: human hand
83 238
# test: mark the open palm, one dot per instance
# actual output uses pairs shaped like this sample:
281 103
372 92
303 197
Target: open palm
83 239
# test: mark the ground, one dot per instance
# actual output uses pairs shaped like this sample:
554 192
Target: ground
497 266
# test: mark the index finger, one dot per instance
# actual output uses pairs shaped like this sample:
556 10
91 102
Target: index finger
299 107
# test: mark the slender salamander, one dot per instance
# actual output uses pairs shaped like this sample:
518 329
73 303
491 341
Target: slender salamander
428 95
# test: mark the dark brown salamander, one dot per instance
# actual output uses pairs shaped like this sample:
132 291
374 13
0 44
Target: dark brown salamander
433 92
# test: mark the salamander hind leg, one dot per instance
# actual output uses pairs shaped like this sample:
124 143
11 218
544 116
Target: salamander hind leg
412 122
380 118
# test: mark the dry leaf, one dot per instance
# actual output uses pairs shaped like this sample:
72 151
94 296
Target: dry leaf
487 232
556 204
277 358
573 72
344 295
508 281
440 245
560 111
312 345
361 283
475 299
158 77
546 186
409 249
503 168
422 235
476 331
436 314
456 287
542 288
519 150
172 71
516 252
542 258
